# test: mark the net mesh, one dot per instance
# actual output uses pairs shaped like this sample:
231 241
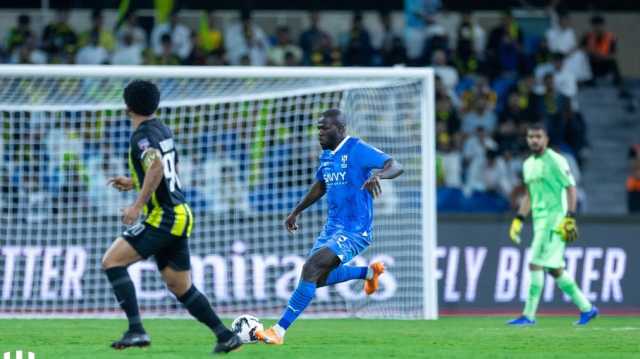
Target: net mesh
248 152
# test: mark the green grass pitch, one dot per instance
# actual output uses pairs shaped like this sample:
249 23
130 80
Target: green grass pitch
469 337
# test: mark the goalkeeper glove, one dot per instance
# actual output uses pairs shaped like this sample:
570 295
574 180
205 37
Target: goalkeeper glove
516 228
568 228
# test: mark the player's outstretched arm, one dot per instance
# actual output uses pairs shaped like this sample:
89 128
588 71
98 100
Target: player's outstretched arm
391 170
152 178
516 224
317 190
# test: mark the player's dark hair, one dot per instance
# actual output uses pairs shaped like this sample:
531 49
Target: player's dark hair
536 126
142 97
336 115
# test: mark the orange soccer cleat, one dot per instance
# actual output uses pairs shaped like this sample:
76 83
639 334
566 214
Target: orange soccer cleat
270 336
371 285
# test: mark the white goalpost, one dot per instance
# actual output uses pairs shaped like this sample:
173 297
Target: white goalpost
248 150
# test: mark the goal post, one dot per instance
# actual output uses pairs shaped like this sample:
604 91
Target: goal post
247 148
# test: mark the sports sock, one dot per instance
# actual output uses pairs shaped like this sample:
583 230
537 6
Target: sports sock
535 290
299 300
570 288
344 273
126 295
200 308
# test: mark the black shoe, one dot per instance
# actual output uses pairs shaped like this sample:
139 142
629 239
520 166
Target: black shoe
230 345
131 339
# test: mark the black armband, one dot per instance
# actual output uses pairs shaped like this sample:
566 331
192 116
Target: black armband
571 214
520 217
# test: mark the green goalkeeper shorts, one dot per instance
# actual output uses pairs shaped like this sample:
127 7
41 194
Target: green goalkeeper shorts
547 248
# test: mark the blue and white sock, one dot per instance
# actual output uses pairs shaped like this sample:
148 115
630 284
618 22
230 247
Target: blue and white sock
298 302
344 273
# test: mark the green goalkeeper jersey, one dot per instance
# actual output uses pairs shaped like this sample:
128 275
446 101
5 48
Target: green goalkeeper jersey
546 177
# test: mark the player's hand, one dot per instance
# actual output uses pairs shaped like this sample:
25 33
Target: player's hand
130 214
121 183
290 223
516 228
568 229
373 186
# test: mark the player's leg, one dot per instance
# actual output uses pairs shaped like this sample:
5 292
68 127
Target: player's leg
536 273
114 263
317 266
121 254
346 273
174 264
569 287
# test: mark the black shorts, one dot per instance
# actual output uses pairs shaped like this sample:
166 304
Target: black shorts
167 249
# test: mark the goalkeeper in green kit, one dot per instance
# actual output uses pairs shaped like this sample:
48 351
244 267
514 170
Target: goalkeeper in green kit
551 198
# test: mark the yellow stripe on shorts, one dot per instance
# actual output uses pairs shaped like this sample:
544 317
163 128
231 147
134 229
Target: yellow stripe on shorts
180 220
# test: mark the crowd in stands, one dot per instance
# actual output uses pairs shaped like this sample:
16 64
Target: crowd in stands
490 83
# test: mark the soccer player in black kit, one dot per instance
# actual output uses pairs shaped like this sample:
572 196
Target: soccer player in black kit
167 224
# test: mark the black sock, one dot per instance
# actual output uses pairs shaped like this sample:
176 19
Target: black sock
200 308
126 295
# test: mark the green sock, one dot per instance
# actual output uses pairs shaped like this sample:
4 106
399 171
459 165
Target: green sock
535 290
570 288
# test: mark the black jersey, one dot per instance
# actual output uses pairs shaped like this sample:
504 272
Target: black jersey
167 208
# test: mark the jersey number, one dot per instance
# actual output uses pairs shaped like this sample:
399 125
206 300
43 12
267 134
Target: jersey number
170 173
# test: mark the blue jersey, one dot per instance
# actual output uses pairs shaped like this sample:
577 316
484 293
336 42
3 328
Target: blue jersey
344 171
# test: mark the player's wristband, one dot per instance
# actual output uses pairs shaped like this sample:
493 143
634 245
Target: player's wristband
520 217
571 214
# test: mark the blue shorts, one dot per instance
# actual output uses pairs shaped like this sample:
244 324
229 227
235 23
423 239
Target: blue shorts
346 245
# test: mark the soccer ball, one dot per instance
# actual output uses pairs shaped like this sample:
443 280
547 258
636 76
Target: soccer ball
245 326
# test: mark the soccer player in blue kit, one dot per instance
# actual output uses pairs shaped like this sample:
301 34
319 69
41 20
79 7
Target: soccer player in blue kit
349 173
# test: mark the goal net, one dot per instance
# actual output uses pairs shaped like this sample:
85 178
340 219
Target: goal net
248 152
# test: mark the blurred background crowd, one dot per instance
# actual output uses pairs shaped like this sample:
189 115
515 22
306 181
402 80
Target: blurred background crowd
491 81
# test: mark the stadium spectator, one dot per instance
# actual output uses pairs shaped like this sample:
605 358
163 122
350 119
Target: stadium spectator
59 41
388 43
602 47
128 52
311 39
325 53
18 35
447 73
358 50
504 49
447 115
564 80
470 41
28 53
568 131
480 89
210 39
244 40
92 53
131 27
450 160
490 174
415 19
166 56
512 123
477 144
284 47
105 36
480 115
180 37
435 38
633 188
561 38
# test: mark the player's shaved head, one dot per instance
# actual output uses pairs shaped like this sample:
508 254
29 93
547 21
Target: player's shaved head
332 128
336 117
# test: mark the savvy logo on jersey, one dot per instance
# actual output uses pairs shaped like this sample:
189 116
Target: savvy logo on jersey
335 178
